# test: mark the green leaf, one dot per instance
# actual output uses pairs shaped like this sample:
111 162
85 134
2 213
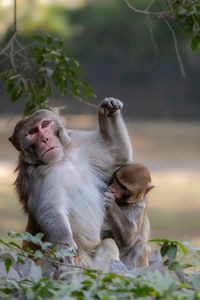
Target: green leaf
28 250
178 267
49 39
171 252
45 293
7 263
182 248
158 240
164 249
39 38
89 93
38 254
195 42
36 273
21 261
4 243
195 278
6 291
15 245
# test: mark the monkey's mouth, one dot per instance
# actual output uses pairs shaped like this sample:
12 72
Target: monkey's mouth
48 150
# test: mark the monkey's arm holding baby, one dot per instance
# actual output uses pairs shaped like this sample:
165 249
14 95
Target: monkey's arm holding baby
62 175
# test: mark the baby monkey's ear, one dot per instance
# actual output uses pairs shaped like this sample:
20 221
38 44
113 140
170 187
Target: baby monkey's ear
150 186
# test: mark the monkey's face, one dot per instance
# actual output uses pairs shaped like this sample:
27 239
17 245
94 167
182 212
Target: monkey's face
119 191
122 195
40 138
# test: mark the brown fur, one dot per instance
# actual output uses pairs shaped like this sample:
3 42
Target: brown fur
126 213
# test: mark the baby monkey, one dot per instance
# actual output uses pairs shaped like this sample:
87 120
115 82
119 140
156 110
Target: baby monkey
126 220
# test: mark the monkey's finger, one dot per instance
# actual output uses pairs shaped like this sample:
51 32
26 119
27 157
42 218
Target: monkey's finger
109 195
104 110
116 103
107 102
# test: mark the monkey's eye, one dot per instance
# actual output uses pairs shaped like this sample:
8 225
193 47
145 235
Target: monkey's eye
45 124
33 130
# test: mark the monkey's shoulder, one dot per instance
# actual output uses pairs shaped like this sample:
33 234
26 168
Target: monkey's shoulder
84 137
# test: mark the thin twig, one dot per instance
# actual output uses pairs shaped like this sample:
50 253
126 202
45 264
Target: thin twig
149 13
169 6
16 76
7 46
12 61
83 101
63 264
153 40
15 16
50 259
19 44
18 52
149 5
88 103
182 70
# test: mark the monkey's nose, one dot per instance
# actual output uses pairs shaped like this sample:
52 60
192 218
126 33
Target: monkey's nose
44 140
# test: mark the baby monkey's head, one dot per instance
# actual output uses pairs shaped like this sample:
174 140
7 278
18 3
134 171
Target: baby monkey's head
131 183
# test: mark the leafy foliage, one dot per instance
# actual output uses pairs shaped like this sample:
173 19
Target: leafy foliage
47 250
91 284
46 66
169 250
187 13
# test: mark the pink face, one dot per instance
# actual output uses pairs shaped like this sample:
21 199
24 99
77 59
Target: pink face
42 136
117 189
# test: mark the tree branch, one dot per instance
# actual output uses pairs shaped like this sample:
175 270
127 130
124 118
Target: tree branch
158 14
15 16
153 40
149 5
182 70
161 15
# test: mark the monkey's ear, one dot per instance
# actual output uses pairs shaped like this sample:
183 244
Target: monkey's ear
149 187
15 144
63 136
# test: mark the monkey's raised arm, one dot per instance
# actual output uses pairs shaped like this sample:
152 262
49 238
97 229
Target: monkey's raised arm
113 129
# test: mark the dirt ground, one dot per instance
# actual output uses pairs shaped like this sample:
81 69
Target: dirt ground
171 150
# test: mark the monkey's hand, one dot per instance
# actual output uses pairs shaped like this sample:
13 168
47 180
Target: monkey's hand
67 253
109 106
109 200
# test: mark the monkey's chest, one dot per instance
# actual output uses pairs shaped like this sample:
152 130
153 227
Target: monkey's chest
82 188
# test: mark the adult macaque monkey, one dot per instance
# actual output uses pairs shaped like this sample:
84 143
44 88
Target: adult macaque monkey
63 175
127 220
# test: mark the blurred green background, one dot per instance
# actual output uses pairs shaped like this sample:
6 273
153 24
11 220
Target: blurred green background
162 110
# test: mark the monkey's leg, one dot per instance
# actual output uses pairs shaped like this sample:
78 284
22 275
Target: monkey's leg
105 252
141 254
32 228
